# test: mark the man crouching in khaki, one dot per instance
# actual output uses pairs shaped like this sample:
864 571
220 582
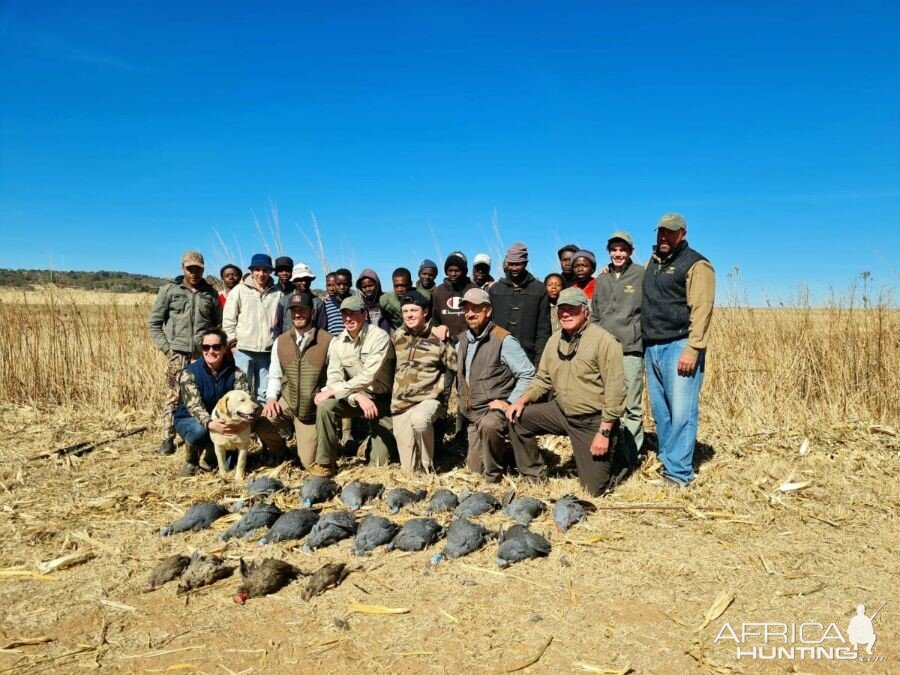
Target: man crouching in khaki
582 364
426 367
296 374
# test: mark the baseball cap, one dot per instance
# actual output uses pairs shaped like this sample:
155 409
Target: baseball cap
192 258
353 304
300 300
414 298
621 235
572 297
482 259
477 296
672 221
302 271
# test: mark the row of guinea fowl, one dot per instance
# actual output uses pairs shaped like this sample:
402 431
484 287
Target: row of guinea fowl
463 536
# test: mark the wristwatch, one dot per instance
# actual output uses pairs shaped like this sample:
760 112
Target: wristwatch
604 432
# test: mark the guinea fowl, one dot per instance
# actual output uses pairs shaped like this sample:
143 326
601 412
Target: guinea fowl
463 537
203 570
400 497
198 517
317 489
263 485
264 578
357 493
475 504
373 531
522 509
443 500
330 529
259 515
519 543
327 576
416 534
168 570
568 511
294 524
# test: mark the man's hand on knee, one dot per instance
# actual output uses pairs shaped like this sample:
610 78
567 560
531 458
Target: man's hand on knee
368 407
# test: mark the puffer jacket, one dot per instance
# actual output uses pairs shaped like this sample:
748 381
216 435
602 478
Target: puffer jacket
250 315
180 315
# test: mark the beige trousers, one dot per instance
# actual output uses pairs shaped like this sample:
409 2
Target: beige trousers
305 434
414 431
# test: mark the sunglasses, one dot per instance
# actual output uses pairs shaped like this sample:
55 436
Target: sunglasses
216 347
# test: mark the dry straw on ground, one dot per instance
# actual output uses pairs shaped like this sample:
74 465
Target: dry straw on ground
793 518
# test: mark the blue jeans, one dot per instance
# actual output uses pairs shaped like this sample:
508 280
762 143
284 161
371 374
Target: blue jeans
192 432
256 366
674 402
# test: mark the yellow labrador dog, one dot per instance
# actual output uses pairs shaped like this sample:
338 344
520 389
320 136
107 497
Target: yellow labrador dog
235 407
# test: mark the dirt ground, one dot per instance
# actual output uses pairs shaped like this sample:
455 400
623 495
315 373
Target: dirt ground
627 590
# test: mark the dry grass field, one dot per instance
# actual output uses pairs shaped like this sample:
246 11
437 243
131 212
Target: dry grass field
793 519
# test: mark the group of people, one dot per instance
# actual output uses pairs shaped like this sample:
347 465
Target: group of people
523 358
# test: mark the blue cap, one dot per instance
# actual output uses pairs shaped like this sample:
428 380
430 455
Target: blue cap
261 260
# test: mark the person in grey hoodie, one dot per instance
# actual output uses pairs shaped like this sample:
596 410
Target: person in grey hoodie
183 310
249 323
616 306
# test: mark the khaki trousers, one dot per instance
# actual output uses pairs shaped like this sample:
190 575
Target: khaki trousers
414 431
328 419
633 420
270 433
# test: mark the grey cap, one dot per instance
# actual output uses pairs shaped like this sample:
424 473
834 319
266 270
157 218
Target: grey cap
622 235
477 296
353 304
672 221
573 297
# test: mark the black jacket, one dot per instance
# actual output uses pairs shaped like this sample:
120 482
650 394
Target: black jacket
524 311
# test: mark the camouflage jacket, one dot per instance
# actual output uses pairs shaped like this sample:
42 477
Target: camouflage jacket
426 368
201 389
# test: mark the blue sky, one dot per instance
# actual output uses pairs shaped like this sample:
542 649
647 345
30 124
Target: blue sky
130 132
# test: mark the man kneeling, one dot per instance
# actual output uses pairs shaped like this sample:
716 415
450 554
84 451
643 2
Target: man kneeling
582 365
493 370
296 374
426 366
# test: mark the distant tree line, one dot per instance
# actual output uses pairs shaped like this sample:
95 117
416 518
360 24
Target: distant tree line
115 282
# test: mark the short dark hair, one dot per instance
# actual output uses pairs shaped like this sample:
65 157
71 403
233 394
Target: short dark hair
330 275
344 272
218 332
401 272
229 266
554 274
571 248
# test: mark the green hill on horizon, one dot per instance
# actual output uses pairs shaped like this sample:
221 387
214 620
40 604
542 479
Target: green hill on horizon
114 282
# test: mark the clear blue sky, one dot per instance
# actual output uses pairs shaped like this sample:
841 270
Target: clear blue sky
130 132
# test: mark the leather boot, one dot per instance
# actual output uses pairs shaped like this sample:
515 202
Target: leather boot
191 460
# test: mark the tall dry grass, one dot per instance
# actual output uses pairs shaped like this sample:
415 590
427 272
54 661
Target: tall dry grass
795 367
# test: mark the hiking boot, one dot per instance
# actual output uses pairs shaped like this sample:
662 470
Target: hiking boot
167 447
209 462
188 470
323 471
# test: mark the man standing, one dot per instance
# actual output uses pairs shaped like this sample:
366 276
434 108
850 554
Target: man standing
284 265
428 271
584 264
249 322
679 290
369 286
426 365
360 373
301 281
521 305
401 280
446 298
296 375
231 277
493 371
582 365
183 309
566 255
203 383
616 306
481 271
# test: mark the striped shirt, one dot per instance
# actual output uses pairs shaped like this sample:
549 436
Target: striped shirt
333 314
